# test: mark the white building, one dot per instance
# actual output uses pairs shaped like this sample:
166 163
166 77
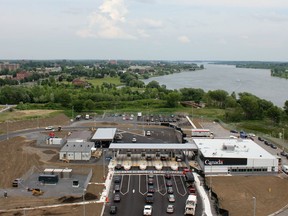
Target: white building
231 156
76 150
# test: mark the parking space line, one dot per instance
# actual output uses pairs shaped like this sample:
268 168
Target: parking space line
127 191
140 186
182 185
165 188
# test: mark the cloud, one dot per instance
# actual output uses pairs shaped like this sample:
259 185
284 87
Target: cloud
142 33
183 39
115 9
228 3
150 23
107 22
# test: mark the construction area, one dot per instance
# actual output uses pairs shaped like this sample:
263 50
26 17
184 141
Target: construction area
20 155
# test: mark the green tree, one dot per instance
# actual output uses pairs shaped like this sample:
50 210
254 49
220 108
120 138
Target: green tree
173 98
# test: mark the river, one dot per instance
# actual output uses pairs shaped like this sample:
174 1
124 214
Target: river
229 78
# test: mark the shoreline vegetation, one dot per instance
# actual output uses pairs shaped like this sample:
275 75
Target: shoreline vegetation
277 69
91 87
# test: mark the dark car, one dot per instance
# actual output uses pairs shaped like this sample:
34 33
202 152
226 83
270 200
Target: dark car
117 187
148 158
266 142
113 209
167 175
118 167
283 153
273 146
150 181
151 189
117 197
149 198
117 179
260 139
169 183
233 131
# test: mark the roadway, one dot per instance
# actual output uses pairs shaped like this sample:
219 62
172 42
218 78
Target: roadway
133 189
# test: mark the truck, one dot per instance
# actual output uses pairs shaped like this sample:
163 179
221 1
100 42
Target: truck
190 205
87 117
285 168
201 133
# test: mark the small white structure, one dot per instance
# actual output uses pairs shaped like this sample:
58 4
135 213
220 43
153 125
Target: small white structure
104 134
55 141
231 156
76 151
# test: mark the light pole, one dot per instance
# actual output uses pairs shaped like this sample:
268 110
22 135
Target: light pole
7 127
72 113
84 208
254 206
283 137
104 153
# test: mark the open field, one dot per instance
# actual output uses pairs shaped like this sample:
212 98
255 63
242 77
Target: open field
100 81
236 193
17 115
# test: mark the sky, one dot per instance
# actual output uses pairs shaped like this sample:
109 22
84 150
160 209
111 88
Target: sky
240 30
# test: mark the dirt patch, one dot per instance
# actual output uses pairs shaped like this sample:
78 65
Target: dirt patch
49 152
11 126
236 193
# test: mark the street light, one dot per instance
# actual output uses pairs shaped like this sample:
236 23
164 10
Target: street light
104 153
254 206
84 208
7 135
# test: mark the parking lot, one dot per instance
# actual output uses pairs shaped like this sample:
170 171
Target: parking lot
134 187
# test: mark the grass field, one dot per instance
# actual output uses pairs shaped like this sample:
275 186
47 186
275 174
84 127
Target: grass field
26 114
100 81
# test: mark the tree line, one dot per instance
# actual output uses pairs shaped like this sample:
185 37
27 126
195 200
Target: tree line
63 95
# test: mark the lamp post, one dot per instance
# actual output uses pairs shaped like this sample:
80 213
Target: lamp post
104 153
254 206
72 113
7 127
84 208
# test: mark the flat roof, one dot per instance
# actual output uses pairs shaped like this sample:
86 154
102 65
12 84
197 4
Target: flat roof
235 148
77 147
104 134
148 146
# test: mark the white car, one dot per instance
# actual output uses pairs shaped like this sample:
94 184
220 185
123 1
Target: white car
148 133
134 140
49 128
147 210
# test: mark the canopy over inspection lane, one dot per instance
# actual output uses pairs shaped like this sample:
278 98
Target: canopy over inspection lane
153 146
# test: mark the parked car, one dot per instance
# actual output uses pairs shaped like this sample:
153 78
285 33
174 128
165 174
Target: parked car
233 131
113 209
171 198
151 176
260 139
273 146
148 133
283 153
134 140
117 197
170 209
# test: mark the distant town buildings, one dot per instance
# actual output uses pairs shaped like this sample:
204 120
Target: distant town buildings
7 65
